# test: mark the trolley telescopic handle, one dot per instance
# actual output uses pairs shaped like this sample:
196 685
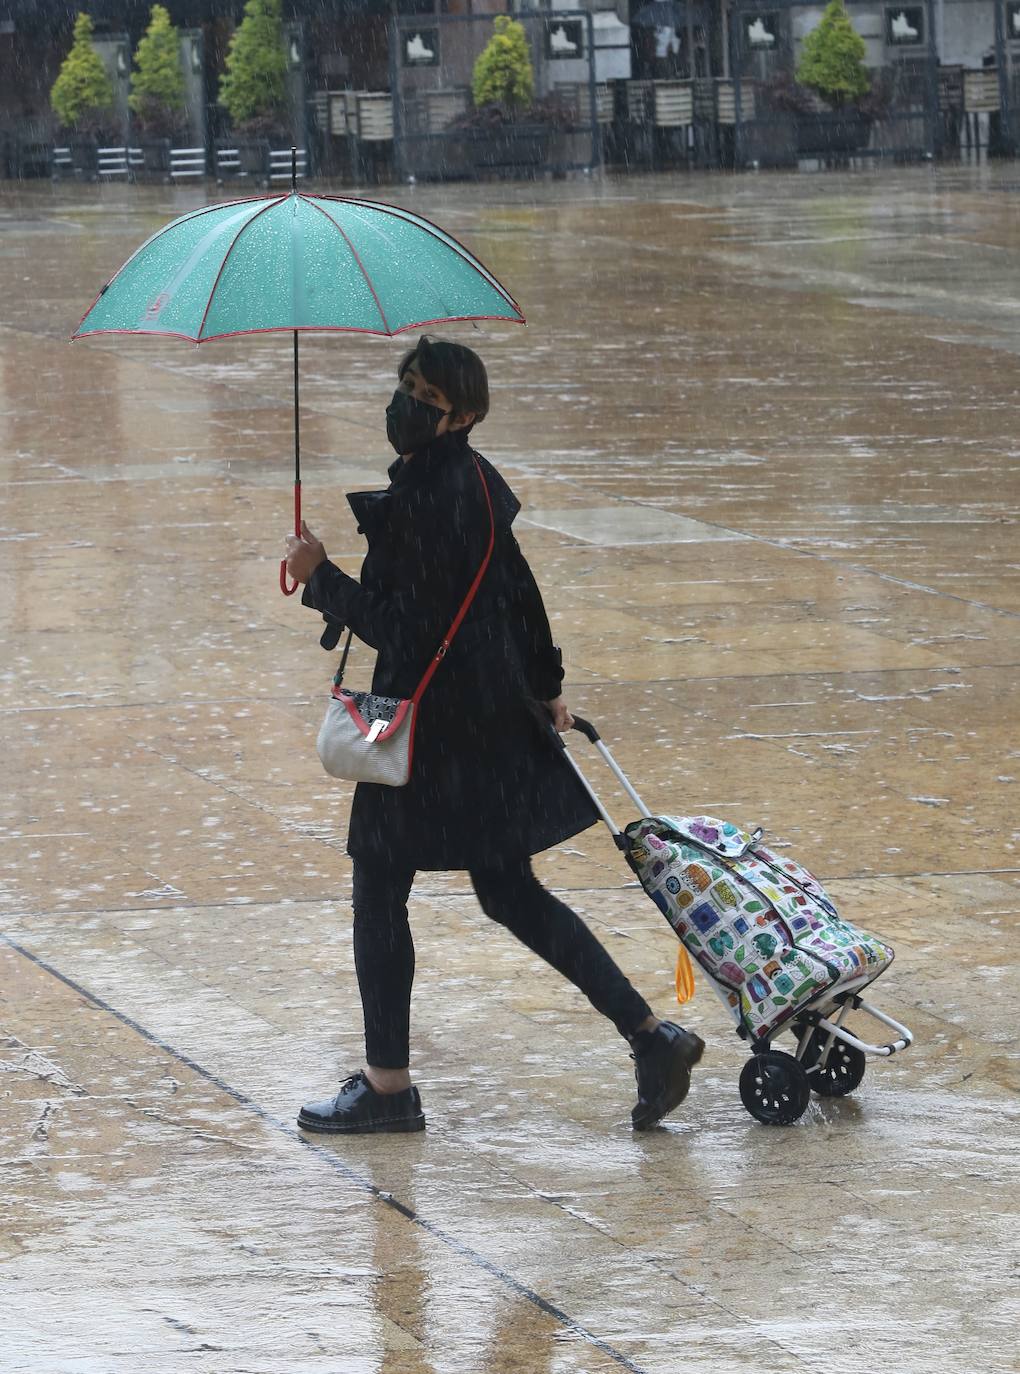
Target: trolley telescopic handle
586 728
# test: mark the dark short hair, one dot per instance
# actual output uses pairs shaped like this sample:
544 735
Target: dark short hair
457 371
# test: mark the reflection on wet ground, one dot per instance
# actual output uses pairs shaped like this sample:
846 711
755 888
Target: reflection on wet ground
764 433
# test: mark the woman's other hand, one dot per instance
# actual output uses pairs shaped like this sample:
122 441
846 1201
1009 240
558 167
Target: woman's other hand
561 718
304 555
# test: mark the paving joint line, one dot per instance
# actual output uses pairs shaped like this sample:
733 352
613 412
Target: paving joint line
363 1184
826 674
335 897
653 1264
780 544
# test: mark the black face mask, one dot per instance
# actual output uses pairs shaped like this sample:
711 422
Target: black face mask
411 424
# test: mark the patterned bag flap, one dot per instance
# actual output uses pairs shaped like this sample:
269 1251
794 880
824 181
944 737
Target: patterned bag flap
377 718
719 837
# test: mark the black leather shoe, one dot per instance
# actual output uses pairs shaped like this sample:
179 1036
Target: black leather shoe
663 1059
358 1109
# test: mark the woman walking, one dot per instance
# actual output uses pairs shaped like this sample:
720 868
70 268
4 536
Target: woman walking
488 787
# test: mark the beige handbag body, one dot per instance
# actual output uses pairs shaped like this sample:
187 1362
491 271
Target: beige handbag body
369 738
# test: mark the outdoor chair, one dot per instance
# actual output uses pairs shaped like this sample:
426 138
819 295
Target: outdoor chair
121 161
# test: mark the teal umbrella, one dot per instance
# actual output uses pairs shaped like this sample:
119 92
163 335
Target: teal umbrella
296 262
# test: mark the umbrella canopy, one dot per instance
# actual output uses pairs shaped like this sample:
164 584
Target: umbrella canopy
295 261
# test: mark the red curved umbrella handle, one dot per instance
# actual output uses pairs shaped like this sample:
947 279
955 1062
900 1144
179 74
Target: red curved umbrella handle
289 591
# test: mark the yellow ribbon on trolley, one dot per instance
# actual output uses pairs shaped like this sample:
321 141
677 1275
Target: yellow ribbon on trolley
684 976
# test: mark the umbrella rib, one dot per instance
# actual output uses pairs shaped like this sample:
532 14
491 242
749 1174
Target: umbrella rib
233 243
436 232
354 253
380 231
444 236
203 210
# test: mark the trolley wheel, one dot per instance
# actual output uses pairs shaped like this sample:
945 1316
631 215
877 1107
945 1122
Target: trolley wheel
774 1088
844 1068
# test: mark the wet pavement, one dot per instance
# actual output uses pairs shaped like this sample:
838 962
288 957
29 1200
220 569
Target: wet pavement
764 430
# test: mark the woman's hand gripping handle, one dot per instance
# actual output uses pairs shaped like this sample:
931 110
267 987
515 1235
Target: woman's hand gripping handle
304 554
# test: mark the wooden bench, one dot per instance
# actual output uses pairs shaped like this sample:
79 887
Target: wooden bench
118 161
242 160
30 150
228 163
280 164
187 162
75 159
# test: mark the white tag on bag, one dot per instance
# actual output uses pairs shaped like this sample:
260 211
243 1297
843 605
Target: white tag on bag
347 752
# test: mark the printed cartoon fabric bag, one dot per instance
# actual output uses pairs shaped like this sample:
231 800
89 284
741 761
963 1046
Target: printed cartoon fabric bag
761 926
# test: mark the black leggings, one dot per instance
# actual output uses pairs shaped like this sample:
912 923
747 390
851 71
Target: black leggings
509 894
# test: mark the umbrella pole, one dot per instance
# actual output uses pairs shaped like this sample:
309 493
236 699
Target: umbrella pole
289 591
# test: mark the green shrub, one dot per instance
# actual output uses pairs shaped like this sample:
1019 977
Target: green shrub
254 86
157 82
82 95
832 59
503 74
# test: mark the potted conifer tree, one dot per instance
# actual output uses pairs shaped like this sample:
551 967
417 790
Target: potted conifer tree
157 90
502 134
253 89
832 66
82 100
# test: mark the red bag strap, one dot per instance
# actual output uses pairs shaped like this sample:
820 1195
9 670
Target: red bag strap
448 637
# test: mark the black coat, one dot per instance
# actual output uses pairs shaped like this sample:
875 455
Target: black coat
488 780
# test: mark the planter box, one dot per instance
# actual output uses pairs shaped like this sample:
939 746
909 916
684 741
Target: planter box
439 156
76 157
514 150
154 162
31 158
832 134
29 148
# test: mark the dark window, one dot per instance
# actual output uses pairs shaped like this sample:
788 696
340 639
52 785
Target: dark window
761 31
421 47
904 26
1013 21
564 38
